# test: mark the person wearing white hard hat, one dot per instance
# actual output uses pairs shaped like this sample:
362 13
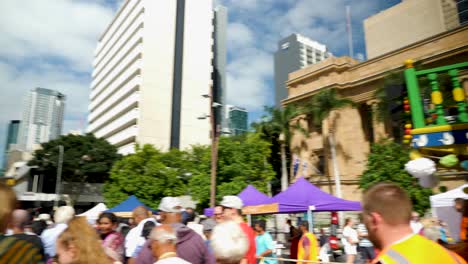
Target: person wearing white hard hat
232 211
190 245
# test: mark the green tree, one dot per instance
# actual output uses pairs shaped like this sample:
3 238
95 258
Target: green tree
151 174
85 159
279 125
242 160
319 109
386 163
147 175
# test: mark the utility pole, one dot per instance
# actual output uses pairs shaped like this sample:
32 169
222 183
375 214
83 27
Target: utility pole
58 182
214 148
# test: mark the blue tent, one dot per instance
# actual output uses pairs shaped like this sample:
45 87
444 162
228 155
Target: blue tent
126 207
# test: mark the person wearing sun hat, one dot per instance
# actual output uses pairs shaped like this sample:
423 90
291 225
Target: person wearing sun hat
232 210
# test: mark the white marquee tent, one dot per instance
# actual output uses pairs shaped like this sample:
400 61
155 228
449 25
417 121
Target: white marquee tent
443 208
93 213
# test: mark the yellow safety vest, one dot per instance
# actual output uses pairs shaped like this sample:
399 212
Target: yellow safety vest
417 250
313 250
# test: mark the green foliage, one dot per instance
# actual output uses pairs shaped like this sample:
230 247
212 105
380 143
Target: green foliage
86 158
386 163
242 160
392 79
278 121
146 175
151 174
322 104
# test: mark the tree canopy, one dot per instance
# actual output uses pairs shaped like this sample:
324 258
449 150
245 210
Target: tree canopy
145 174
279 121
151 174
386 163
322 104
85 158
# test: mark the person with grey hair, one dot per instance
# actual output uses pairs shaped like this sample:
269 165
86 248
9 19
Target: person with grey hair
62 216
163 245
232 210
229 243
190 245
19 220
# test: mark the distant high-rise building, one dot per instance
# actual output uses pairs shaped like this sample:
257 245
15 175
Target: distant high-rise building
237 119
152 65
219 63
42 118
295 52
462 7
408 22
12 138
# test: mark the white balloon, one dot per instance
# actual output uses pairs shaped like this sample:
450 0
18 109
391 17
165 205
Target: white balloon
420 168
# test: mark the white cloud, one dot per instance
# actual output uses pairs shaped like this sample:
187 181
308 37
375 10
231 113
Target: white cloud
256 27
239 36
63 29
247 79
16 83
248 70
49 44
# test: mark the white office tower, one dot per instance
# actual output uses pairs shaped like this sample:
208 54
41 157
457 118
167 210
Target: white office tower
152 65
295 52
42 118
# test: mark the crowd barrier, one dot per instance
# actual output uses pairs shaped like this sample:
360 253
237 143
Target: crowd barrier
295 260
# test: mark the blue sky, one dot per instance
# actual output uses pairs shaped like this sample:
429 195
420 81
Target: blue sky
50 44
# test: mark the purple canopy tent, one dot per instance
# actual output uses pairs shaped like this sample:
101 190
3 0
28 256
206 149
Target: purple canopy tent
249 196
301 195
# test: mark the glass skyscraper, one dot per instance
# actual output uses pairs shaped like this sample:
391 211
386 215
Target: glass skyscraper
42 118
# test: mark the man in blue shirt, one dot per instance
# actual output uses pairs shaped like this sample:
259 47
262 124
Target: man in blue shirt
264 243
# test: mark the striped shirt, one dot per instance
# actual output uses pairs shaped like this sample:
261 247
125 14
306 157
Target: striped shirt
363 242
17 251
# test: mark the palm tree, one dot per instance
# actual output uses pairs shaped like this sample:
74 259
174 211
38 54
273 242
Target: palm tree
278 123
319 109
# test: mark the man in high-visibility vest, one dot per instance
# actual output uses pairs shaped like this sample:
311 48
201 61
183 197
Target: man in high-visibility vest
387 213
308 246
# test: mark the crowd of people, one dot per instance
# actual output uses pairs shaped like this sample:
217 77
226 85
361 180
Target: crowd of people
389 232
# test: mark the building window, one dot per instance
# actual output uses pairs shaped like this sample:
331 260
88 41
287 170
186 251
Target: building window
285 46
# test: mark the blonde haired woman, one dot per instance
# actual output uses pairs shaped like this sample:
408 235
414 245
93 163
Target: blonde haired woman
80 244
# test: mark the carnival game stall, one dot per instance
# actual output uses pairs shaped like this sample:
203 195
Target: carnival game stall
438 128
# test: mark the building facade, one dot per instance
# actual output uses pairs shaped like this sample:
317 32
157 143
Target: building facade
238 118
42 118
12 138
219 64
152 65
355 129
294 52
408 22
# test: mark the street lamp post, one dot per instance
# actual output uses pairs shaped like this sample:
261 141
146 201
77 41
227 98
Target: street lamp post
214 147
215 132
58 181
